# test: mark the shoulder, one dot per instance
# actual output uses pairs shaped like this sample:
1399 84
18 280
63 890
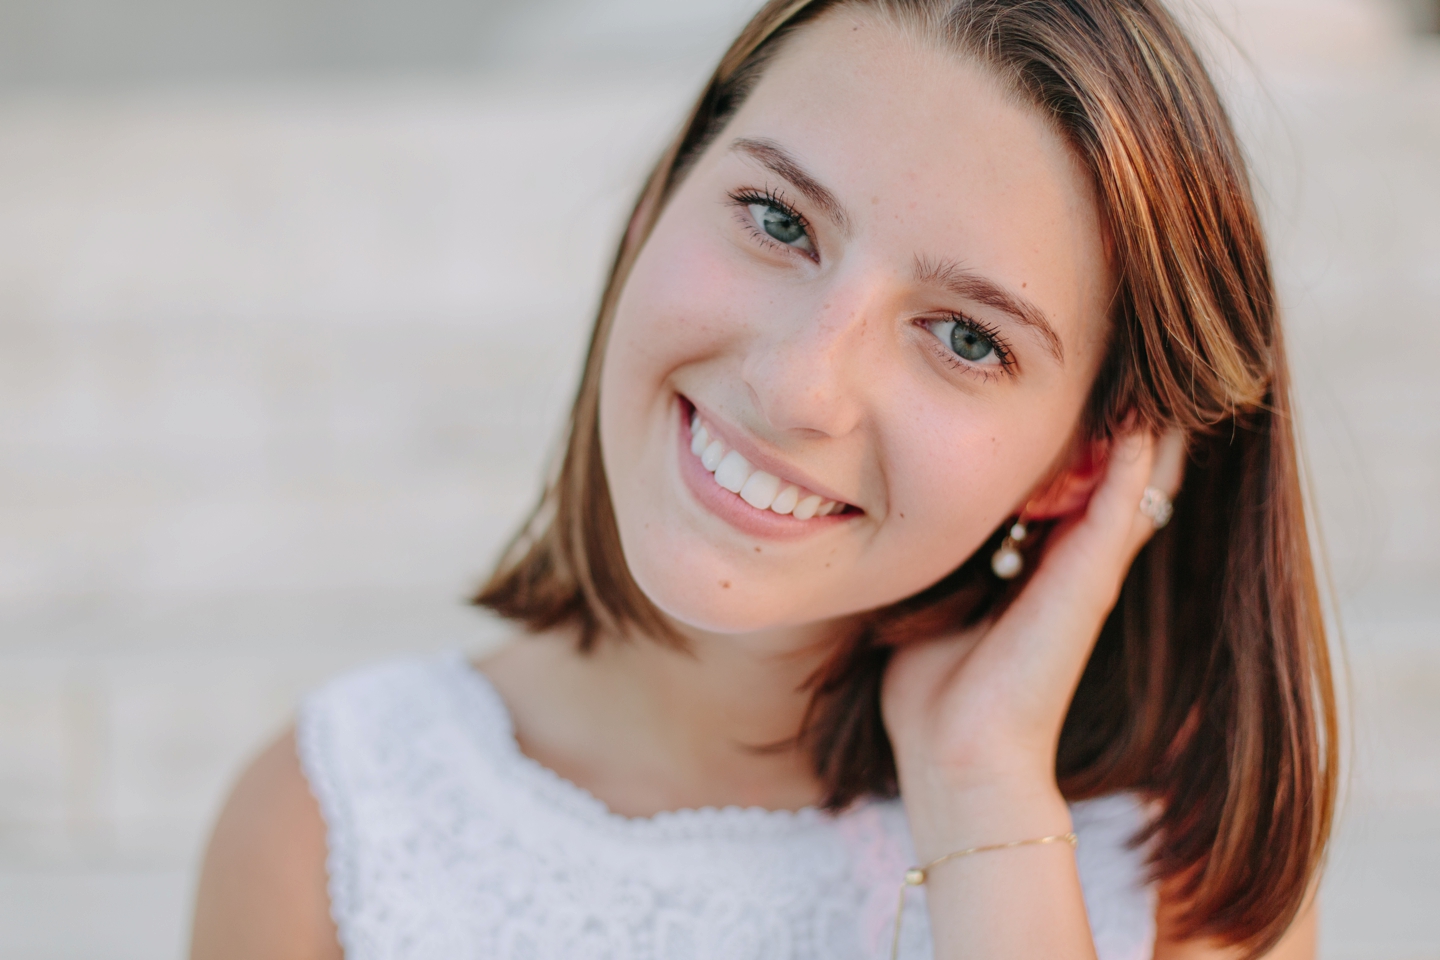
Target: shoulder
262 889
382 694
266 887
373 736
362 734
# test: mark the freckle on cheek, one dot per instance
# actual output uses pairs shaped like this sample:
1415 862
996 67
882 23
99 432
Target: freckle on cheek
725 584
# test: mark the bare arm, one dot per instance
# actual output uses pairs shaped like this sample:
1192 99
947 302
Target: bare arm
262 890
975 721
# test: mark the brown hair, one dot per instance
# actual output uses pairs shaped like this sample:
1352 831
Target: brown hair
1209 689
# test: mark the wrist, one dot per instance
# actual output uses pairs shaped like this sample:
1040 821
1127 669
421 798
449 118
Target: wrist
945 816
1002 777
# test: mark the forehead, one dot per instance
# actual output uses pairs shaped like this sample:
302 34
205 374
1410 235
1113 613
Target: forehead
934 158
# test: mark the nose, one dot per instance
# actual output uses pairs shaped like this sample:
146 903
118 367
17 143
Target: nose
807 372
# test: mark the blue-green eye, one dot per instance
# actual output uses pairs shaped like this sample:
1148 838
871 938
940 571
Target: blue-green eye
968 341
778 221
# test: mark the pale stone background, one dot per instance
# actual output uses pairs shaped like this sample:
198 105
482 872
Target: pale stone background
291 304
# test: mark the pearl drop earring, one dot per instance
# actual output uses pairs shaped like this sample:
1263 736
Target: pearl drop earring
1008 561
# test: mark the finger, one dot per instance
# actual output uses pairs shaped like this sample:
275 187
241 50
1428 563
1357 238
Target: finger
1056 618
1048 631
1086 558
1166 474
1106 529
1169 469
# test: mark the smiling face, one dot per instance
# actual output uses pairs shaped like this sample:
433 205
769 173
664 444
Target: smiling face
859 337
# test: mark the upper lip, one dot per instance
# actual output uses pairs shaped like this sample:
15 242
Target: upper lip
736 439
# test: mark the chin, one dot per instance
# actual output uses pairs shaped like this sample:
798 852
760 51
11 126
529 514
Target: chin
712 595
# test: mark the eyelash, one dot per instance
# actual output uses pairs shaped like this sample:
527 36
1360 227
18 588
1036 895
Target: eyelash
1003 350
742 199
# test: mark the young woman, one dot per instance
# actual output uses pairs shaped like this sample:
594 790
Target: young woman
926 294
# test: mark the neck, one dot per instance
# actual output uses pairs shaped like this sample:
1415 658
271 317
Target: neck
647 727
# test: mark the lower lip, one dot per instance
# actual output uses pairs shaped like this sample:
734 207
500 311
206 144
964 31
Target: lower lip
733 510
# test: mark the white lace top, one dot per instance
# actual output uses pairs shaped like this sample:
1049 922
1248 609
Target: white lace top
448 843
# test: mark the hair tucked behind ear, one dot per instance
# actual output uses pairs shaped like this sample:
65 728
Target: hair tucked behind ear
1210 688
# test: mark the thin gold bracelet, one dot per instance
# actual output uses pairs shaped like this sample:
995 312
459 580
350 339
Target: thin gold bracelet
916 876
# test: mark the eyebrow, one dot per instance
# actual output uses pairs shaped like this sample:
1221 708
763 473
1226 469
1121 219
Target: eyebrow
943 273
972 286
774 157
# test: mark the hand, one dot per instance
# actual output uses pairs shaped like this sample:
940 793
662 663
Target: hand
981 712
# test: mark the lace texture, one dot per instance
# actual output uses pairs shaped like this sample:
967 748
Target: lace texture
448 843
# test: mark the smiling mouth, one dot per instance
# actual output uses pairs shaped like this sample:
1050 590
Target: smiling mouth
763 491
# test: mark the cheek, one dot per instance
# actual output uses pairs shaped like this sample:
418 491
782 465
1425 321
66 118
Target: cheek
678 323
684 302
955 479
952 464
950 488
674 314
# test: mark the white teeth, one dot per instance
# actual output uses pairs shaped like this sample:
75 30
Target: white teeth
760 490
756 487
806 508
712 454
733 471
785 500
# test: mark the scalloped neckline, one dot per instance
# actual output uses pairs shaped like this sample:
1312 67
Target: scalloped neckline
687 822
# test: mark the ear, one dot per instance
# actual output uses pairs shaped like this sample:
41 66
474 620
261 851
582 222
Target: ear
1069 489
